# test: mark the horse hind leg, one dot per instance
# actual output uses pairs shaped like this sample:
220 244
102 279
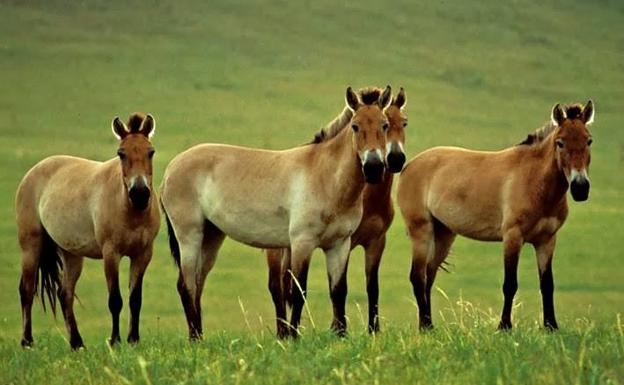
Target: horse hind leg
39 257
66 293
420 230
443 239
31 244
211 243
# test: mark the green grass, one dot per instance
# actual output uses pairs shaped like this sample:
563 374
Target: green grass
268 74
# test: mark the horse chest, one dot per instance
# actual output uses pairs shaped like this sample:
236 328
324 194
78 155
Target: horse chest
544 227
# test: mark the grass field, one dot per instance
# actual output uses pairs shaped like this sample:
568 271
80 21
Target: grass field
268 74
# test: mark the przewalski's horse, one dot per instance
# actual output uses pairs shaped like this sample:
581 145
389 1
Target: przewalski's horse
517 196
69 208
378 213
303 198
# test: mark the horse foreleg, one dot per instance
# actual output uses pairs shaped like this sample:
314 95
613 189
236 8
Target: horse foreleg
138 265
544 252
277 290
301 251
337 261
512 244
115 302
372 253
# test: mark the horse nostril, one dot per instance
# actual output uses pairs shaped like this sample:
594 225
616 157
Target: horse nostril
396 160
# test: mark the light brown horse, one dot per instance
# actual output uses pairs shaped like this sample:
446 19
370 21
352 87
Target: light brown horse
303 198
69 208
378 213
516 196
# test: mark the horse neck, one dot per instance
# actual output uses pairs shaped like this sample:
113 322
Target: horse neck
381 191
345 164
552 181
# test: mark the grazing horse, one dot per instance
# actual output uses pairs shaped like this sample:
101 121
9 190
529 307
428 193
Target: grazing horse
69 208
378 213
517 196
302 198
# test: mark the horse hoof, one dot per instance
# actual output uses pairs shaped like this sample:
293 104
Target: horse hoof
26 344
504 326
114 341
133 340
551 326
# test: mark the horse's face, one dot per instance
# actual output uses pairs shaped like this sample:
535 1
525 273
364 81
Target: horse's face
135 154
395 135
572 142
369 125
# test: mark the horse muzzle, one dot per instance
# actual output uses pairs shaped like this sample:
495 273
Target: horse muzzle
139 197
579 188
395 158
373 167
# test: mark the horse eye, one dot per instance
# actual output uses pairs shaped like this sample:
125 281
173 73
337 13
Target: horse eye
121 154
404 124
355 127
385 126
150 153
559 143
590 141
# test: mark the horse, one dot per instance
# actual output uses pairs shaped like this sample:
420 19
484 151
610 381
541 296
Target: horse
378 212
513 196
303 198
68 208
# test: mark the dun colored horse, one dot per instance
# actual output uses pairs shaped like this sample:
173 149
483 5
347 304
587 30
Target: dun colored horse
303 198
517 196
378 213
69 208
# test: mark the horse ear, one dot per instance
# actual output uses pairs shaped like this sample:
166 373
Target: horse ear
588 113
148 126
400 99
385 98
353 102
119 128
558 115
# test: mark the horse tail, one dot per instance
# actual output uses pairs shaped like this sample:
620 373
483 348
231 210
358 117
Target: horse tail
174 246
50 270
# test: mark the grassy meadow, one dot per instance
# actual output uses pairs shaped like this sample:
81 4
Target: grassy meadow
268 74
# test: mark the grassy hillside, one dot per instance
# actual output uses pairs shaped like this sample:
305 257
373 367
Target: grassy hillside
268 74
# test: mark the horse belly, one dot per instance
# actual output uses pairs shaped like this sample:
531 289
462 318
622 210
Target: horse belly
74 235
258 228
470 222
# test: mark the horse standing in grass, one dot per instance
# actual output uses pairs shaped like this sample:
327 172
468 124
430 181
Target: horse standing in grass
69 208
378 213
302 198
516 196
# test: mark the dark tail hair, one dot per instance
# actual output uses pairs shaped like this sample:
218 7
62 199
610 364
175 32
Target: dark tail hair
50 269
174 246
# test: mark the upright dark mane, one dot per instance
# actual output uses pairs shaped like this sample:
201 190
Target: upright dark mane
134 122
572 111
368 96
